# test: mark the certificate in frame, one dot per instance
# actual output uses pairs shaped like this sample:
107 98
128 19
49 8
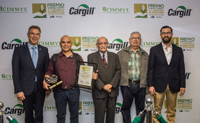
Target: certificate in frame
85 74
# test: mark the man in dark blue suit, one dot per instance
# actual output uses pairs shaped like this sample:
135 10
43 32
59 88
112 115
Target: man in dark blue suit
166 73
29 64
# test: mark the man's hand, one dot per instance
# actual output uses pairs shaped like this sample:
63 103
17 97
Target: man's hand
95 75
107 88
152 91
21 96
182 91
45 85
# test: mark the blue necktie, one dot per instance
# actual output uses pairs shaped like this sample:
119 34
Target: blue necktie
34 58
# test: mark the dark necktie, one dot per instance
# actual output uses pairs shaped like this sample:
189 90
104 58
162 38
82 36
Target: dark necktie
104 61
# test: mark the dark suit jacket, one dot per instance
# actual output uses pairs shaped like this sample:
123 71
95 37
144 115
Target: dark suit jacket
24 71
160 73
111 75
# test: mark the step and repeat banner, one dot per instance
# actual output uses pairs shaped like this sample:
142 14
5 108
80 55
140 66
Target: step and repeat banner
84 21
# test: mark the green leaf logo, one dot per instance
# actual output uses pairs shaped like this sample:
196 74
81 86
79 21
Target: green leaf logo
19 105
76 42
118 40
84 5
42 9
143 9
17 40
119 104
181 7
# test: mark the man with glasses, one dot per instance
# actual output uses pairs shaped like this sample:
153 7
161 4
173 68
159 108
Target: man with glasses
166 74
134 63
29 64
105 89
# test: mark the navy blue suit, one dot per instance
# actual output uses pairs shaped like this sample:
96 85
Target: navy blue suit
24 74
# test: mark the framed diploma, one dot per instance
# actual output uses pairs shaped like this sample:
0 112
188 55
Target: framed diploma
85 74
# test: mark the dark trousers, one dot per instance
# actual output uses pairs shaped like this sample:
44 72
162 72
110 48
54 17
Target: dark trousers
34 101
129 93
62 97
103 104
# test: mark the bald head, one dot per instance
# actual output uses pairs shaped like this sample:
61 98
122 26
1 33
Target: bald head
65 37
102 38
65 44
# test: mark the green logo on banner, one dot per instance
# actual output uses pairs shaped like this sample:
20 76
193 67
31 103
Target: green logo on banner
82 9
119 45
179 11
140 10
39 10
17 109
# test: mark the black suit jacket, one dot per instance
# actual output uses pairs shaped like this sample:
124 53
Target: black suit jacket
24 71
111 75
160 73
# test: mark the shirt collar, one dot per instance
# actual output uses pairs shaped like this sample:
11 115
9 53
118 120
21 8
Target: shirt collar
61 54
164 46
130 50
105 54
30 46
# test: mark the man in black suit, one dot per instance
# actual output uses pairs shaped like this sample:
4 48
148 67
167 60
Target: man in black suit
29 64
105 89
166 73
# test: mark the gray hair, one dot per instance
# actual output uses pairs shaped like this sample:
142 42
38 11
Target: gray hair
101 37
135 32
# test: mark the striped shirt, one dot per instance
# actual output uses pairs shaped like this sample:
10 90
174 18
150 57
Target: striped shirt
134 65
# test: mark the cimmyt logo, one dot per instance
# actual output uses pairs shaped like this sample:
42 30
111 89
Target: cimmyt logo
4 9
115 10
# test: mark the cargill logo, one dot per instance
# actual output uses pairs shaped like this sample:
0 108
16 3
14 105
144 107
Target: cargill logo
118 108
119 45
39 10
14 43
83 10
140 10
17 109
179 11
76 43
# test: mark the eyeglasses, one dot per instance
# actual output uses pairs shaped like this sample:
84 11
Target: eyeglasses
164 33
32 34
103 43
138 38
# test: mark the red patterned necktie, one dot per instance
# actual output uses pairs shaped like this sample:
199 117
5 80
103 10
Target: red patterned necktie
104 61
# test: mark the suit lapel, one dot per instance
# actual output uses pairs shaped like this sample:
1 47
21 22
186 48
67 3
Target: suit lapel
173 54
110 59
162 54
28 55
39 54
99 59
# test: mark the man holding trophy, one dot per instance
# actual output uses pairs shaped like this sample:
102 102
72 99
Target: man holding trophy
65 66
